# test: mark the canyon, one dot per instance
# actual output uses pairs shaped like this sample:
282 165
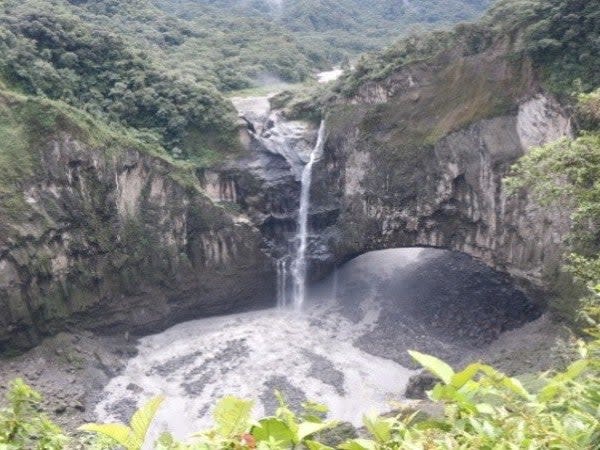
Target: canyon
122 240
108 241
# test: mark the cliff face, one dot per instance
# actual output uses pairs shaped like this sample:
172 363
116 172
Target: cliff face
101 232
108 237
419 158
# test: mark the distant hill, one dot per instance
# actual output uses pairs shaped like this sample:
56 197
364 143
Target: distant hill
330 31
161 66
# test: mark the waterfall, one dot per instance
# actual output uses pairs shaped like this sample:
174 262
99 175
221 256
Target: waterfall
334 285
299 262
282 282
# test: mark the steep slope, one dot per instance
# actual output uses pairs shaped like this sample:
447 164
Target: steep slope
48 50
331 30
226 50
422 135
105 232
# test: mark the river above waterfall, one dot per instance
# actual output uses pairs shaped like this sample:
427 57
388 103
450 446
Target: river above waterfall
347 348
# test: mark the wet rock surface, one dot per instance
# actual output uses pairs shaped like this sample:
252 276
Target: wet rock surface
118 243
400 172
70 370
293 395
444 303
323 369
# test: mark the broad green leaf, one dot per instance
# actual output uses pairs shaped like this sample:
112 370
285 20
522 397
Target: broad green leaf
512 384
434 365
555 384
118 432
549 392
286 414
380 428
359 444
576 369
232 416
305 429
314 412
515 385
484 408
314 445
273 428
143 417
459 379
315 407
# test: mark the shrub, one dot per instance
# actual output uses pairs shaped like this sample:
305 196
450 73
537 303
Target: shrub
22 426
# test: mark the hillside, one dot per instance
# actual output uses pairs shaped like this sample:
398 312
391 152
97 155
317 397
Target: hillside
47 50
326 32
561 38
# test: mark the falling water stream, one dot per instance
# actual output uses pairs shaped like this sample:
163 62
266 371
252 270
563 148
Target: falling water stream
299 262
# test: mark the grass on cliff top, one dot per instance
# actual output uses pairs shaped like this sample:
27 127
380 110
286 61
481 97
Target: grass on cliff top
460 94
401 133
16 161
28 124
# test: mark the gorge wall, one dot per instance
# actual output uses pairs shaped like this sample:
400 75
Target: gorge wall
418 159
100 232
104 235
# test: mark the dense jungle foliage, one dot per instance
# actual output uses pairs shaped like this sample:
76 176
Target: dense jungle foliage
567 172
160 66
45 50
333 31
562 38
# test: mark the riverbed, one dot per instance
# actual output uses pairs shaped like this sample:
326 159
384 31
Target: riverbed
346 348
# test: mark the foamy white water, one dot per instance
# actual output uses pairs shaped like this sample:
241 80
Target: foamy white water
330 75
249 355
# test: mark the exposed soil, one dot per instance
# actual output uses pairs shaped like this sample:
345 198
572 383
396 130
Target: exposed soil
70 370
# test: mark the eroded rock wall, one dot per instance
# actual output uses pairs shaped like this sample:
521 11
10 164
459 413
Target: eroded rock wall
403 167
121 241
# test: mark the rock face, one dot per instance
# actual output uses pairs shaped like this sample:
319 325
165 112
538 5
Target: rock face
109 237
419 160
113 239
265 182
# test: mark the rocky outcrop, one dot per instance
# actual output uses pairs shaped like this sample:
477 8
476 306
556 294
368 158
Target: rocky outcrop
113 239
419 160
264 182
111 236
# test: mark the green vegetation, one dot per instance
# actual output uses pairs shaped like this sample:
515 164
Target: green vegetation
560 36
47 50
160 66
483 409
323 32
567 173
22 426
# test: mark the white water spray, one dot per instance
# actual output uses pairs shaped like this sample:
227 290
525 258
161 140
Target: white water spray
299 262
282 282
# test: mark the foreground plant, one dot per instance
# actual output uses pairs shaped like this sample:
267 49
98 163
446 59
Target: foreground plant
132 436
234 428
485 409
23 426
